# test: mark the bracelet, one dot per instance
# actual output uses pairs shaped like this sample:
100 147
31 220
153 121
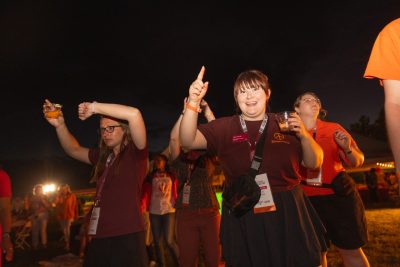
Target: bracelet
196 109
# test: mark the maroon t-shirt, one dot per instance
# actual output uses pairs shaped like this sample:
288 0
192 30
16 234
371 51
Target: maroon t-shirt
120 212
282 151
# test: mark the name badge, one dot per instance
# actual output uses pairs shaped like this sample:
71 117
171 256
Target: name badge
266 202
240 138
314 177
186 195
94 220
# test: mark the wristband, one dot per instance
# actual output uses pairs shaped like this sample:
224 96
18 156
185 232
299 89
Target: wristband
196 109
92 107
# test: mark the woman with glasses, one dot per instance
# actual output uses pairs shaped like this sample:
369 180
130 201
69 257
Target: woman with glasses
343 215
283 228
120 166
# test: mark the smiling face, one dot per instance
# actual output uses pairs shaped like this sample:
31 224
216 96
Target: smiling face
252 93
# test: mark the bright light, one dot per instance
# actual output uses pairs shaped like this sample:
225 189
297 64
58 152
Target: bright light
49 188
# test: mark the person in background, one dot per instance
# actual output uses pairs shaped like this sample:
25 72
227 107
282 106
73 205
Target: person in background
160 187
197 207
67 212
6 245
120 161
343 216
371 180
39 206
283 228
384 64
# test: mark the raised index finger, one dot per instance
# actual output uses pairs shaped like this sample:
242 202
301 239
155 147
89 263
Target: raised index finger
201 73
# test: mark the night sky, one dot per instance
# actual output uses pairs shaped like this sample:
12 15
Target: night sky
146 55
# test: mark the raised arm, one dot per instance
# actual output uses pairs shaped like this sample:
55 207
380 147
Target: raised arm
190 137
312 152
130 114
350 153
174 142
68 142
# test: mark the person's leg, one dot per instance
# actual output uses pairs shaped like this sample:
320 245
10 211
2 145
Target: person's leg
35 232
209 233
188 239
67 234
353 257
169 234
156 229
43 229
324 261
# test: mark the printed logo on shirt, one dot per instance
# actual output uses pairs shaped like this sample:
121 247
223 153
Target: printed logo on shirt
279 138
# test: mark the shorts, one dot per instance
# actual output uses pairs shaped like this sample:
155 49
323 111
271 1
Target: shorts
343 218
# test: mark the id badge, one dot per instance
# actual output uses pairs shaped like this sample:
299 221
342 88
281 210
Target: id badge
94 220
314 177
186 195
266 202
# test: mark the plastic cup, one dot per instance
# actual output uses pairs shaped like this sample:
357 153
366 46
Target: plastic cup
53 111
283 120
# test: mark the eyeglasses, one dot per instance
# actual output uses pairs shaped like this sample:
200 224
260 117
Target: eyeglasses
252 90
309 100
108 129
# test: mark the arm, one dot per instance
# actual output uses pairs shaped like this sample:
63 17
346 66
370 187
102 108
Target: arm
190 137
130 114
174 144
68 142
350 152
312 152
392 111
5 220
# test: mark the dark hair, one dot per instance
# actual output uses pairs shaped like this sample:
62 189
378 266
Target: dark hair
322 112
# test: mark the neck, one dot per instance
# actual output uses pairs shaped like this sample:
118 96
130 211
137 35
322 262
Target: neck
310 123
255 118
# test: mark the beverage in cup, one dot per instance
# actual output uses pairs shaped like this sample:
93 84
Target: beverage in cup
53 111
283 122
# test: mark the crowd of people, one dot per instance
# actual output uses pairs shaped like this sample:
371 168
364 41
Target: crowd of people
306 200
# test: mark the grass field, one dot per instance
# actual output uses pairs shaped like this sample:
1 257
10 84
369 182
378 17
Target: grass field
383 249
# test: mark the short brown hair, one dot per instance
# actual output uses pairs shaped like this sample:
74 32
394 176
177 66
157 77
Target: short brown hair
250 78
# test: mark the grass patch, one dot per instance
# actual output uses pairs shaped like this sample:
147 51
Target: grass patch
383 248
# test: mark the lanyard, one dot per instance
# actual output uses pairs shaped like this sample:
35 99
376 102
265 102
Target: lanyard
314 135
102 178
260 131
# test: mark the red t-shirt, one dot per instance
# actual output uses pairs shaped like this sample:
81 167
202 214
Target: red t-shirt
332 163
384 61
282 151
120 211
5 191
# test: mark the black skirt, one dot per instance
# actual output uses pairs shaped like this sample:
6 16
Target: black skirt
291 236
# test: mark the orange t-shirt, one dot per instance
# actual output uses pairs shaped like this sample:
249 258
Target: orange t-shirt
384 61
332 163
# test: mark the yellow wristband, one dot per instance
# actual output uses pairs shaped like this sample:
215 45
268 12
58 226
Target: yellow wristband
196 109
